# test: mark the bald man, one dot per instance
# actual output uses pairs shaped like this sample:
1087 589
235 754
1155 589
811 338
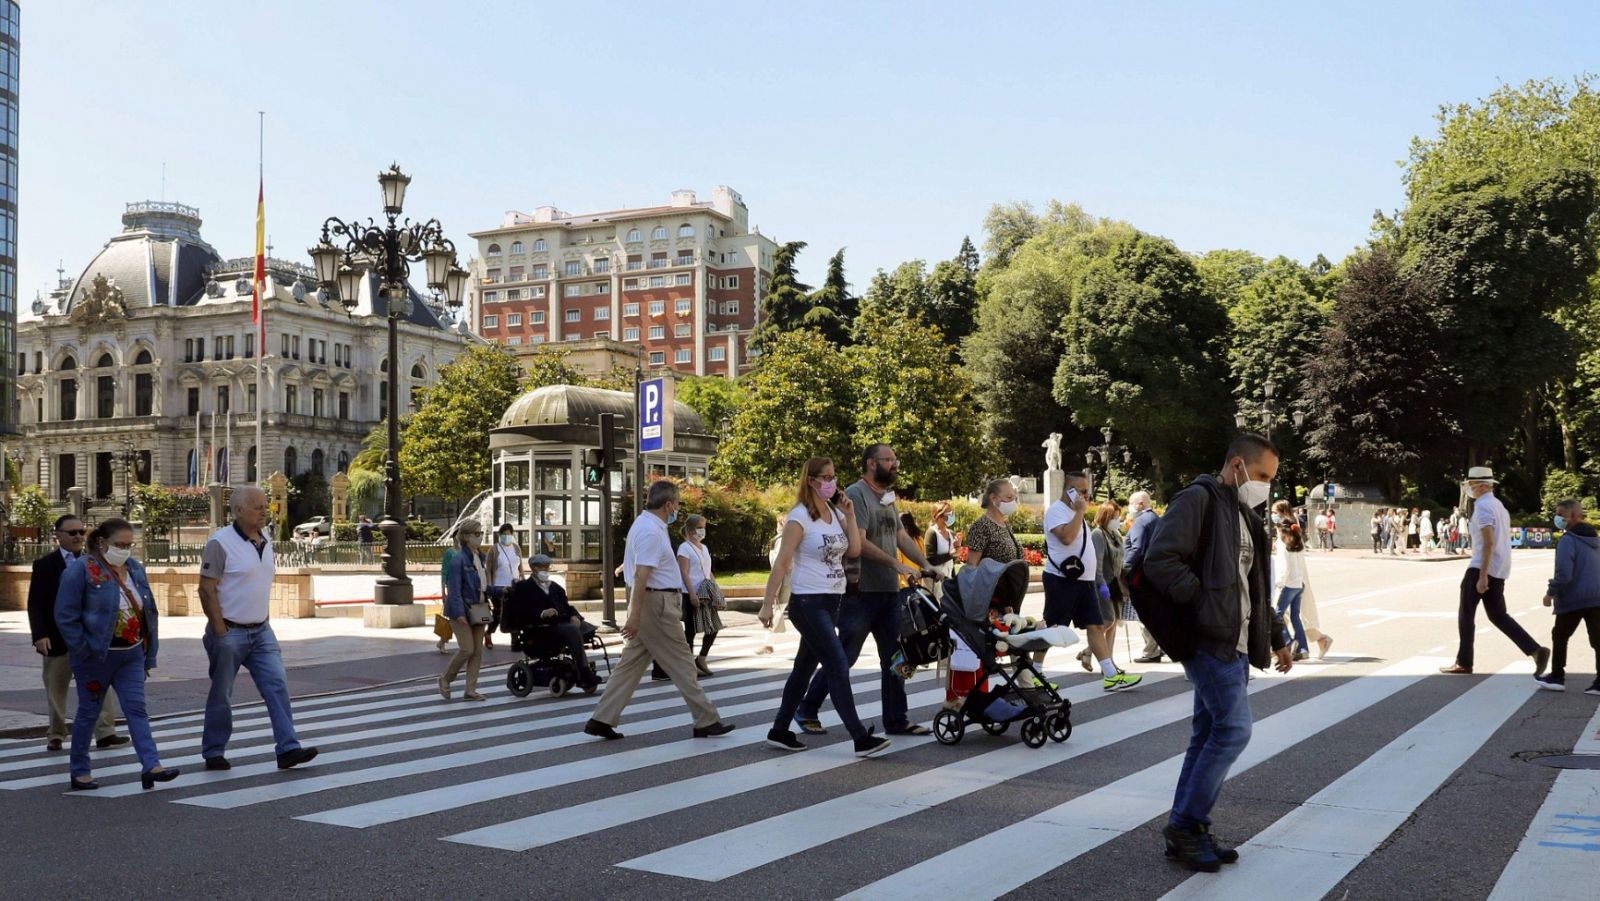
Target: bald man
236 573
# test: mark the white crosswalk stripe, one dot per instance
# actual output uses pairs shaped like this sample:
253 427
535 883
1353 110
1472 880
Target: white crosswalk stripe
399 754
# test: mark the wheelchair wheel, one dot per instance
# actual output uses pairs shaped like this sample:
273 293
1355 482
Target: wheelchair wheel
519 679
948 727
1033 732
559 686
996 728
1060 726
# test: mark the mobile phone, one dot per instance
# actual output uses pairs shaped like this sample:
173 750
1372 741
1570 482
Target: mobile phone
1072 496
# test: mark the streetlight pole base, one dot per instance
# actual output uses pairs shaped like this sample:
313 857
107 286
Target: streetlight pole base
394 587
389 591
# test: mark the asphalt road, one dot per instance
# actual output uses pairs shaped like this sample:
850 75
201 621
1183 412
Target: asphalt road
1369 776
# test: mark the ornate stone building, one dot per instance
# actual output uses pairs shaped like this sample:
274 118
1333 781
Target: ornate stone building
144 366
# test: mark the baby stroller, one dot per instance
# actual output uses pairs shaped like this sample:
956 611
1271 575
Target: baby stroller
547 663
964 610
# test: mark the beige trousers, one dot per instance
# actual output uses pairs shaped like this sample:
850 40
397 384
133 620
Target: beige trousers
469 653
660 638
57 678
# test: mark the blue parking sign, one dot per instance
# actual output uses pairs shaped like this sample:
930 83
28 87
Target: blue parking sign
655 415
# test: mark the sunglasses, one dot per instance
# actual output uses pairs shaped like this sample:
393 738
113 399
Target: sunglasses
75 533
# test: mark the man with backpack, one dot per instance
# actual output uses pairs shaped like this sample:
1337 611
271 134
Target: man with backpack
1204 581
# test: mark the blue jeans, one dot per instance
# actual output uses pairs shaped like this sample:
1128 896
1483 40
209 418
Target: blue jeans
1221 731
1289 599
876 613
814 616
257 651
123 671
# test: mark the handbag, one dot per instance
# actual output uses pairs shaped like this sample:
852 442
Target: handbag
480 614
1072 568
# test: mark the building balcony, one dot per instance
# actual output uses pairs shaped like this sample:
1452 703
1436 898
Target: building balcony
658 264
634 265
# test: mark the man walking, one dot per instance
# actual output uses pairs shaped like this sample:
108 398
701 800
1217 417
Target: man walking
1575 592
1485 581
1143 518
654 628
1226 588
872 591
1322 530
364 538
47 641
1073 592
236 572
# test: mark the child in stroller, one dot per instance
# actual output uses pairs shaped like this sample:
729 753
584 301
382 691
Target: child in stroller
553 636
1009 686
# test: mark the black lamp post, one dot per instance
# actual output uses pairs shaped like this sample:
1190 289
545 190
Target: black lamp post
1267 413
127 457
1106 454
387 250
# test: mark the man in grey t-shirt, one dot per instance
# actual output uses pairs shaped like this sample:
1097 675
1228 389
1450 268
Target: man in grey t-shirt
871 601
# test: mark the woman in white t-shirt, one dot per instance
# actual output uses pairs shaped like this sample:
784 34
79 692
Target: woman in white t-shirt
505 568
700 593
818 534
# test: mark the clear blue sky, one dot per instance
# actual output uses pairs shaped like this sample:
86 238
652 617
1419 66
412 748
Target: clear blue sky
885 128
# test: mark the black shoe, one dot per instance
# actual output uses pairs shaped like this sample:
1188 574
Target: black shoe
218 763
77 786
117 741
53 744
148 780
597 728
870 745
1593 689
1192 848
1154 659
296 757
1551 682
660 676
784 740
1224 853
1541 659
713 730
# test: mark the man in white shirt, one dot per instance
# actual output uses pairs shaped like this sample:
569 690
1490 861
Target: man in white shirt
1485 581
1322 530
654 628
236 573
1078 596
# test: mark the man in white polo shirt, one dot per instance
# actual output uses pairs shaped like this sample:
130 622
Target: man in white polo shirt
1485 579
236 573
654 628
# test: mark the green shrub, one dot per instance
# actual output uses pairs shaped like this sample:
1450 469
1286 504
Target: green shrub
32 509
344 531
422 530
1559 484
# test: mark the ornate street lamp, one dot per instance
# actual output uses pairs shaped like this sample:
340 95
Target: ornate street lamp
344 257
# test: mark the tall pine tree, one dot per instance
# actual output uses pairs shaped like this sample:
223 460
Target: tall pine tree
833 308
786 302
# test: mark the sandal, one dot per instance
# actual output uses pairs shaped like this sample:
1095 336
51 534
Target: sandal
444 688
473 696
915 729
811 727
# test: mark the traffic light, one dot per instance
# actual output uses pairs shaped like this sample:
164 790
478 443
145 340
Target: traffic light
594 468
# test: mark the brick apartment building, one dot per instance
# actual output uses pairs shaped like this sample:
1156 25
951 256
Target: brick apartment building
682 281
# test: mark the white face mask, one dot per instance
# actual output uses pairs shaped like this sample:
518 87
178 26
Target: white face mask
886 498
1006 508
117 556
1252 493
543 577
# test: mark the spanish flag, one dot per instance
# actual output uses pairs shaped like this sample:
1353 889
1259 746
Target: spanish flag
257 304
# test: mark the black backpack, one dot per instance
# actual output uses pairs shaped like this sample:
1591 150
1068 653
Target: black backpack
1173 625
924 639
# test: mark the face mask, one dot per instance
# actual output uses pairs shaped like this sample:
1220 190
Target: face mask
887 498
1560 522
672 517
949 519
1007 508
543 577
117 556
1252 493
826 488
507 539
699 534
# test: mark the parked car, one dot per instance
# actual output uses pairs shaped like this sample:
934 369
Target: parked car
317 525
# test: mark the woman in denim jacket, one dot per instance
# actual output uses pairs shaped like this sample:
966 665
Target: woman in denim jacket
463 586
108 619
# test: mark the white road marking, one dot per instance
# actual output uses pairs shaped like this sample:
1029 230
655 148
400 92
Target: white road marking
1559 856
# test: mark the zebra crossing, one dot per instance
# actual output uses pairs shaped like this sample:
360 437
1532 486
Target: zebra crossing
515 776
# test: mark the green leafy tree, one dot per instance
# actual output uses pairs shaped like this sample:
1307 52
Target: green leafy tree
32 508
365 492
13 472
833 308
902 292
374 449
1559 484
549 366
1008 226
714 397
952 289
786 302
1225 273
1278 323
156 508
799 403
446 451
913 399
1144 351
309 496
1376 398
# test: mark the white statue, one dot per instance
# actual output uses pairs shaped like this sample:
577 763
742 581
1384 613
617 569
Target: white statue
1052 452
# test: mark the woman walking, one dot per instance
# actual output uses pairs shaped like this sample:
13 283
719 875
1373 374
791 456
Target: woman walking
464 581
107 616
989 537
1377 531
818 534
1108 550
939 546
505 567
1291 590
702 598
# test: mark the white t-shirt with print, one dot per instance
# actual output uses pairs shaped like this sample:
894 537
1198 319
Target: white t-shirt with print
1060 514
819 560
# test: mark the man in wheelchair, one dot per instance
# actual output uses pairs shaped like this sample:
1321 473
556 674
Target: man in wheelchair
537 610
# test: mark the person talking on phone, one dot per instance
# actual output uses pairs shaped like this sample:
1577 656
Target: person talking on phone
1074 593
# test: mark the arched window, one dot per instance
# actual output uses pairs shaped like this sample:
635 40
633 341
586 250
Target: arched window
344 461
316 462
105 361
143 359
494 250
68 362
105 397
659 234
144 394
69 398
385 365
250 467
417 371
633 236
686 230
289 461
516 246
539 244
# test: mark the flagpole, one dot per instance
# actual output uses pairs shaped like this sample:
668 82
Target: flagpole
197 461
261 301
227 452
211 452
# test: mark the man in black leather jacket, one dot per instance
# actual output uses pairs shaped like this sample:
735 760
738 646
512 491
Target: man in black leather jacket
1211 555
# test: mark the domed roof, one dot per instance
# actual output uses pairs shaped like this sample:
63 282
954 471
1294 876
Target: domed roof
570 405
159 259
